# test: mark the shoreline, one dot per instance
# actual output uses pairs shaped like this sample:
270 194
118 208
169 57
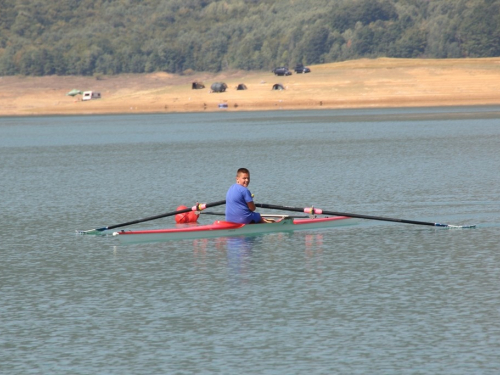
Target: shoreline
438 115
378 83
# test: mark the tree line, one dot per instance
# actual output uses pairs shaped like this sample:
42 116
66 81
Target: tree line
88 37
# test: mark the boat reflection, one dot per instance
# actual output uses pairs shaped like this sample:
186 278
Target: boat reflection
239 254
314 245
236 253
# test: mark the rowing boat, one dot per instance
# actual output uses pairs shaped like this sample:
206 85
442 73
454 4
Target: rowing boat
222 228
227 229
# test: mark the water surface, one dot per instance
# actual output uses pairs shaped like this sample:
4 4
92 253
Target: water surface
378 298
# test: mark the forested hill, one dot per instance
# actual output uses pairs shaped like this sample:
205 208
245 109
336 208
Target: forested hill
86 37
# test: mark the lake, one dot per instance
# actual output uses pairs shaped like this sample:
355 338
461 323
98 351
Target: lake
374 298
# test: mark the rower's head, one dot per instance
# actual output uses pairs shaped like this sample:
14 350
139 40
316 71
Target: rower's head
243 177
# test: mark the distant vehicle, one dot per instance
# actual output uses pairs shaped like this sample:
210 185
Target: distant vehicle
302 69
282 71
89 95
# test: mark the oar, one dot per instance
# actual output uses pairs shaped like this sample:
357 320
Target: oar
198 207
318 211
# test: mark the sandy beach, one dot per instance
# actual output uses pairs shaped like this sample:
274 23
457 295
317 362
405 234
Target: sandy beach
353 84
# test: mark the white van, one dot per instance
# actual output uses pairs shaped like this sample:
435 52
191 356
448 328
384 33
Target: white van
88 95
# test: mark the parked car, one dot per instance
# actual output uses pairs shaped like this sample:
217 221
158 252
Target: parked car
282 71
302 69
89 95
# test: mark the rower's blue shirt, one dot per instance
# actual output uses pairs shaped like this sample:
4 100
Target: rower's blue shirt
237 210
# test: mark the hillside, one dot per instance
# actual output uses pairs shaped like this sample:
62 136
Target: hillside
353 84
87 37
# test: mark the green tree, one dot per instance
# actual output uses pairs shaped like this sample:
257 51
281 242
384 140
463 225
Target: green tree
39 37
480 30
315 44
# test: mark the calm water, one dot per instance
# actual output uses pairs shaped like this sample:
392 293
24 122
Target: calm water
377 298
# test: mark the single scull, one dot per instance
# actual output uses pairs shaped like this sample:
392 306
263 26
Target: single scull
226 229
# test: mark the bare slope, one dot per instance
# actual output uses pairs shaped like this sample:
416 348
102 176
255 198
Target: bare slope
351 84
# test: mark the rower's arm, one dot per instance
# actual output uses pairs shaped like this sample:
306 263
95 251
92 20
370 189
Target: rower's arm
251 206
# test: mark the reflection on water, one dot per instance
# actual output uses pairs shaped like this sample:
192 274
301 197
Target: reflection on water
238 251
239 255
314 252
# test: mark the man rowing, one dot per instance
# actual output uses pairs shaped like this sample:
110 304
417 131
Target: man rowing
240 207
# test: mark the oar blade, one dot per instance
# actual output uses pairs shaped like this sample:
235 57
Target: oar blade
455 226
96 231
